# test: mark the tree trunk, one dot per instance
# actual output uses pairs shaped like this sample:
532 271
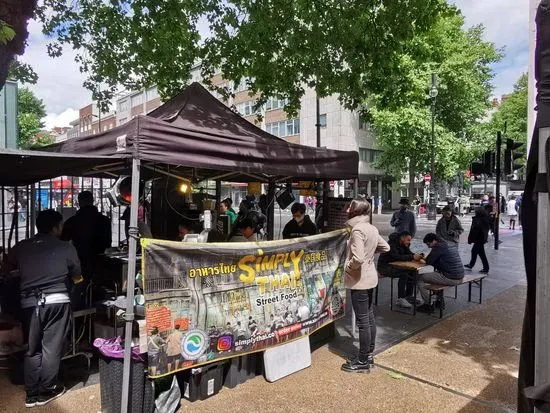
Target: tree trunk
412 175
16 13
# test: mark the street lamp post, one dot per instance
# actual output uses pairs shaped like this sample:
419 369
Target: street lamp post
432 206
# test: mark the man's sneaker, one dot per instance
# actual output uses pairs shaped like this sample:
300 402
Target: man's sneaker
48 396
484 271
356 366
419 300
31 401
425 308
468 266
402 302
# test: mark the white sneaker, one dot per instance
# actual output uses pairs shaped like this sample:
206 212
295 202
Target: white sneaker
402 302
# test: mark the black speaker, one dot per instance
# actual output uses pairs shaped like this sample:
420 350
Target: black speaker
284 198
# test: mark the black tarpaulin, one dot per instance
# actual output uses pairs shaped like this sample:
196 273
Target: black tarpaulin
19 168
196 130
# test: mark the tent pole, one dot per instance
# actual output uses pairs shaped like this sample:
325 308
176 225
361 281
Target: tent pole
542 306
129 316
271 210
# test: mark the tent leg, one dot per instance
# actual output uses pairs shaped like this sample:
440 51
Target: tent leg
129 317
271 211
542 309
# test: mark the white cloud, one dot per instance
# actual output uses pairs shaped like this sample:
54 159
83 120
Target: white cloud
62 119
60 81
507 26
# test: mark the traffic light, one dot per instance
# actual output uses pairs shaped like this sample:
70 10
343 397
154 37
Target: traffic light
511 154
476 168
489 162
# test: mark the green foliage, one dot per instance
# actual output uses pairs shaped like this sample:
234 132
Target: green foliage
513 111
22 72
401 113
339 47
31 111
7 34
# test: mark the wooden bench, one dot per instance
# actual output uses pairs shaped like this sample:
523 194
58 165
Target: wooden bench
468 279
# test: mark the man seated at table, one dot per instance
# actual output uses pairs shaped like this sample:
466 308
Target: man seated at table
300 225
400 251
448 268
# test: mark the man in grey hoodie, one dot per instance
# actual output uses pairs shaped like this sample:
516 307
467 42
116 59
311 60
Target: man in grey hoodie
403 220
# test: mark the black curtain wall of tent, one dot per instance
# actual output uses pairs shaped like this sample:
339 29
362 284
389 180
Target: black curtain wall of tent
535 184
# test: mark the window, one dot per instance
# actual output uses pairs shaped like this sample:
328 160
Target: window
242 86
246 108
152 93
284 128
323 120
369 155
124 105
363 125
275 103
137 100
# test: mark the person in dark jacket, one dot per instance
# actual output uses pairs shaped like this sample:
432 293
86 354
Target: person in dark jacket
447 264
404 220
478 236
90 232
300 225
400 251
449 227
46 266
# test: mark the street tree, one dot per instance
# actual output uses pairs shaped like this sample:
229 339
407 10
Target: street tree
31 112
401 113
513 110
276 46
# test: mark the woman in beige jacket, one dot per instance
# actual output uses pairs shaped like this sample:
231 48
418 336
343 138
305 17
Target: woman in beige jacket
361 277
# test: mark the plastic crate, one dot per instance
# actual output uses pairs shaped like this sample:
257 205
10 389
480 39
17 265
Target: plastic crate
242 368
201 383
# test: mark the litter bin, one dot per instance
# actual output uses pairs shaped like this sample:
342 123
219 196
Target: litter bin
111 371
110 383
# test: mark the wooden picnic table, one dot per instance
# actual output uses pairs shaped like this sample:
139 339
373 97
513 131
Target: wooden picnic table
408 265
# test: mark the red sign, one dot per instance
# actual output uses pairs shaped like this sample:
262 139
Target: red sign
331 184
468 173
427 178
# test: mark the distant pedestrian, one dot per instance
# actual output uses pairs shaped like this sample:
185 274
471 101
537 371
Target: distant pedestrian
478 236
449 227
403 220
512 212
519 201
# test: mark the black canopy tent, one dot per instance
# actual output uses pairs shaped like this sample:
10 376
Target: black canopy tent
192 136
201 137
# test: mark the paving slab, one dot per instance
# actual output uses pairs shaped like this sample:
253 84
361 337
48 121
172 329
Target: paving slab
475 352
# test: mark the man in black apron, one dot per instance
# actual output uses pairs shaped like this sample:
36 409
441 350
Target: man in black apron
47 266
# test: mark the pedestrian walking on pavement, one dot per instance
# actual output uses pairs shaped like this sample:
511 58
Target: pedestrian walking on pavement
478 236
361 278
512 212
403 220
449 227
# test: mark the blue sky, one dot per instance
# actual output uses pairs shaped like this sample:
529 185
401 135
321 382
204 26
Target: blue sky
506 22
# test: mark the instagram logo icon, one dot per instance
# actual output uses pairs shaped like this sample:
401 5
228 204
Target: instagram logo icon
225 343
